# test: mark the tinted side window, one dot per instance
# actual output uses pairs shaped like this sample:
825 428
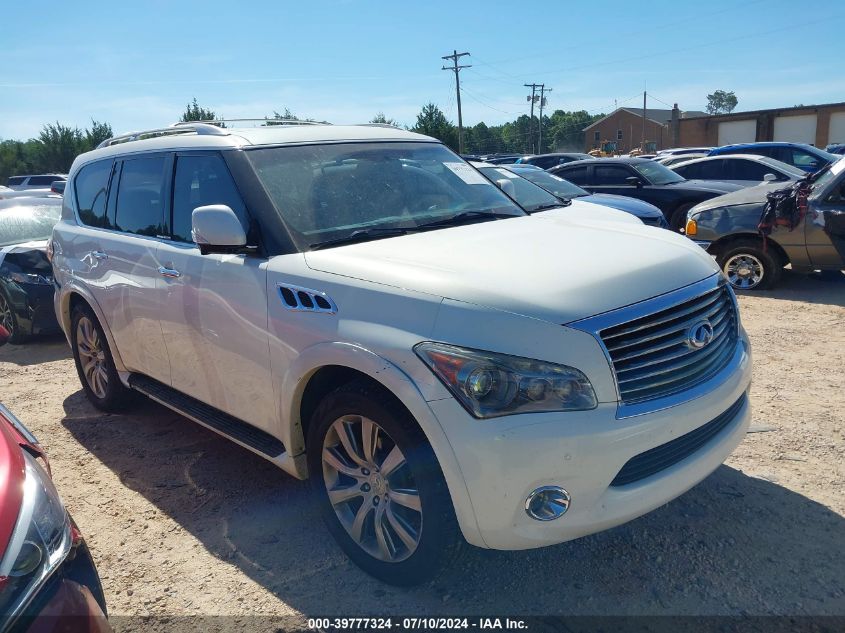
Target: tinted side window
200 180
804 160
611 175
750 170
545 162
578 175
140 196
14 181
92 183
42 181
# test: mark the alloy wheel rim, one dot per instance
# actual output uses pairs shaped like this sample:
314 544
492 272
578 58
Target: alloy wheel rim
744 271
6 319
92 357
371 488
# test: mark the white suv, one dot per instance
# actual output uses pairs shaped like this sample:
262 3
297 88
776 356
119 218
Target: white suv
363 308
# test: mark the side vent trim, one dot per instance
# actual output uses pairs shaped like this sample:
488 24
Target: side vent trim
302 299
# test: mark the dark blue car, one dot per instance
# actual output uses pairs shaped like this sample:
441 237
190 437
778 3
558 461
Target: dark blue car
648 213
799 155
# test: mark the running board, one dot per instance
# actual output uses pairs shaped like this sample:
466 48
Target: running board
229 426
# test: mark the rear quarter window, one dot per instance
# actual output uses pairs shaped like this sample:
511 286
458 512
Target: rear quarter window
92 183
14 181
42 181
578 175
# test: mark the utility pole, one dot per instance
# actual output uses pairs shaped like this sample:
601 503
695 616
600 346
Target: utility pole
642 141
543 90
533 99
455 56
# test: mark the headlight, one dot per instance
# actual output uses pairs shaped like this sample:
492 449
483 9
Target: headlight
488 384
40 542
30 278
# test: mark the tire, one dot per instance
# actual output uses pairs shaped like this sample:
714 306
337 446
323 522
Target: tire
419 532
748 267
9 321
678 219
94 362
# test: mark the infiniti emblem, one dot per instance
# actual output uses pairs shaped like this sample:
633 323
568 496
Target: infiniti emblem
700 335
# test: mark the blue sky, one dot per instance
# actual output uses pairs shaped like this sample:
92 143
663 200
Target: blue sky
137 64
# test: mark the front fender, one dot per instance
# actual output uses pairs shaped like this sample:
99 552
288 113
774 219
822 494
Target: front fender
400 385
721 222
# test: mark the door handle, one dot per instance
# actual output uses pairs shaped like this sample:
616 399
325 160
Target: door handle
99 255
168 272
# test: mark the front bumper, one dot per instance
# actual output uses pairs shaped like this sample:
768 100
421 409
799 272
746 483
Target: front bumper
71 599
504 459
33 307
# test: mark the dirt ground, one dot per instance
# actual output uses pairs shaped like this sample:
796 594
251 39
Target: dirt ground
182 522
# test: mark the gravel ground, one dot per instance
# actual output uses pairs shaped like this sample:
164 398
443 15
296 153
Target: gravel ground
181 522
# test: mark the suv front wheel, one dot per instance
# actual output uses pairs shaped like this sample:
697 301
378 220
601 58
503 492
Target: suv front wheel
381 490
94 362
748 266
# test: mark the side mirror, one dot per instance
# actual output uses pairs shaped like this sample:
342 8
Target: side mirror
506 185
634 181
769 178
4 336
216 229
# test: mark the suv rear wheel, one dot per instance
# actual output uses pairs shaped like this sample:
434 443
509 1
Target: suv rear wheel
381 490
748 267
94 362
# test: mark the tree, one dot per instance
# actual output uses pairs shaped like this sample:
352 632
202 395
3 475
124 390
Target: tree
58 146
97 133
432 122
195 112
380 118
721 102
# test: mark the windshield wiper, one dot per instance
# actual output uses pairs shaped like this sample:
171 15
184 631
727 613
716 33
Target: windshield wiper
563 202
363 235
465 216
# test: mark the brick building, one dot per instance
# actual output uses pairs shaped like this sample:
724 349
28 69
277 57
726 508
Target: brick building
816 125
625 127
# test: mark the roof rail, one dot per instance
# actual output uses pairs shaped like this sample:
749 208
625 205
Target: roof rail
265 120
200 128
394 127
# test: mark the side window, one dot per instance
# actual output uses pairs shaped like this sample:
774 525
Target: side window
749 170
689 172
545 162
578 175
140 196
92 183
200 180
42 181
611 175
804 160
14 181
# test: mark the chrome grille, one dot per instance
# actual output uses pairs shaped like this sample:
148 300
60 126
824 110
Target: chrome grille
652 355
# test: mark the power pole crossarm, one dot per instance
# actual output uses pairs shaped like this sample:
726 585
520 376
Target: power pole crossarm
455 56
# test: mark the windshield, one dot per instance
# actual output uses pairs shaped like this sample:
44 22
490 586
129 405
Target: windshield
656 173
527 194
328 192
828 173
553 184
27 224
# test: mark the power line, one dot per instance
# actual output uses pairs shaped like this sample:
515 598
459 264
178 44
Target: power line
455 56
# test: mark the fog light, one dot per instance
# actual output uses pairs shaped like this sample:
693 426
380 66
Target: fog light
547 503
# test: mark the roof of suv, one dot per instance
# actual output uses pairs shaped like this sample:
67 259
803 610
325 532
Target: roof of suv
187 138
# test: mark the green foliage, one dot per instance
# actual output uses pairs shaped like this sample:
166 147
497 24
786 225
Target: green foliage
279 118
53 151
195 112
380 118
721 102
432 122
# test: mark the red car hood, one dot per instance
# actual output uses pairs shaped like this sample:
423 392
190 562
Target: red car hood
11 480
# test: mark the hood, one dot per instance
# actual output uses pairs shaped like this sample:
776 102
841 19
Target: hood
583 210
11 481
547 266
633 206
748 195
716 186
